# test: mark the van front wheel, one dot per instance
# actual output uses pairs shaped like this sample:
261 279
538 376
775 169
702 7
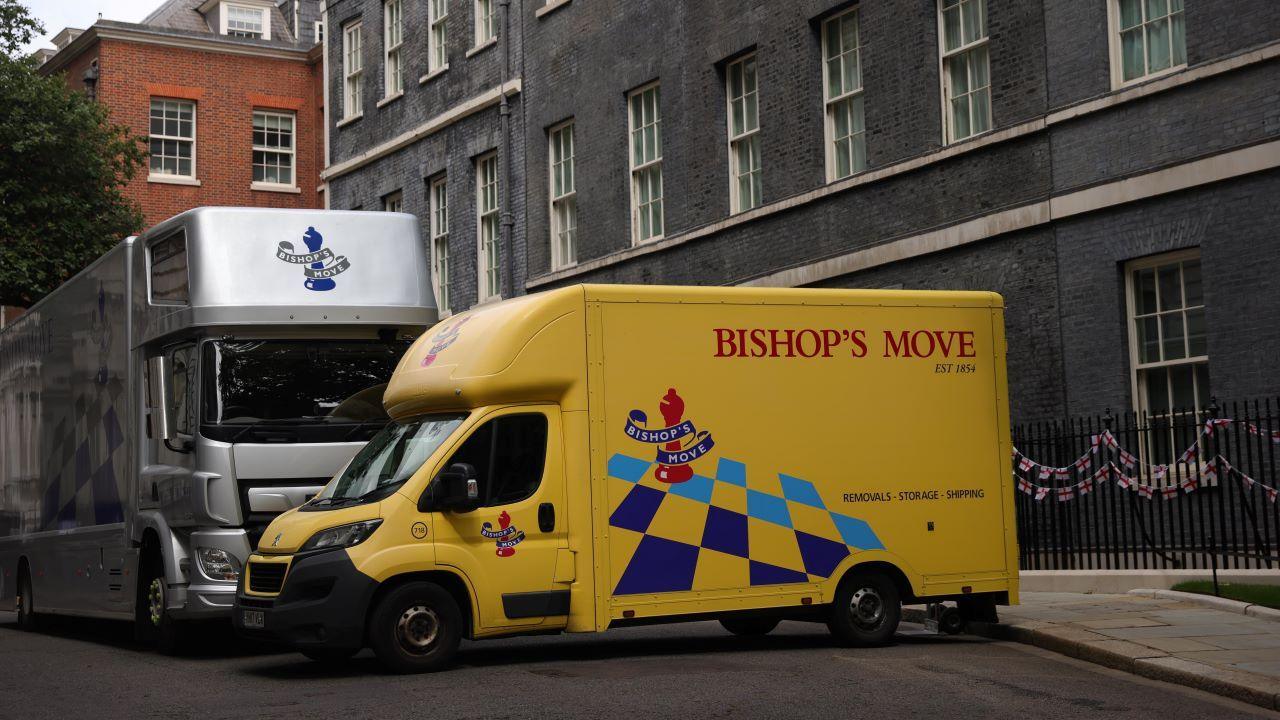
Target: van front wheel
866 610
416 628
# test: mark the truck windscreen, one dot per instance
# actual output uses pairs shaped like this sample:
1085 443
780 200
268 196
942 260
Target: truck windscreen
296 390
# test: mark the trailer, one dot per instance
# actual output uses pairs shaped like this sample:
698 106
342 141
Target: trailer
161 407
599 456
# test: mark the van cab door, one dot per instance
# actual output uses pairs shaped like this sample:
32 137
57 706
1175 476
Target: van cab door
508 546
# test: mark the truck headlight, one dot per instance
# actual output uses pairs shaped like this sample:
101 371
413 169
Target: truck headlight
218 564
343 536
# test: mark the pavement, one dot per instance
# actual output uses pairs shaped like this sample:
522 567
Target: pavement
90 669
1202 642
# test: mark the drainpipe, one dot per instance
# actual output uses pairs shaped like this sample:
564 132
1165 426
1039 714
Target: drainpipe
506 219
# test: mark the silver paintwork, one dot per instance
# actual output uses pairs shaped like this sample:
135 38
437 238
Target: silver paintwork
82 484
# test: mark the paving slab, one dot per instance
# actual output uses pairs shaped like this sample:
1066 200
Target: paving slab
1181 644
1241 642
1164 631
1113 623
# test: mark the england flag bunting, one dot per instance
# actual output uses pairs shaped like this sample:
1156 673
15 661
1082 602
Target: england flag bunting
1145 491
1066 493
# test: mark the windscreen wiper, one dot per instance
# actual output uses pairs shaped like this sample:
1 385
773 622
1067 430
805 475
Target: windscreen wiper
333 501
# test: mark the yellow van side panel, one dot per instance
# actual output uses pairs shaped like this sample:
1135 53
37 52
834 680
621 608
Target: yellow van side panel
745 454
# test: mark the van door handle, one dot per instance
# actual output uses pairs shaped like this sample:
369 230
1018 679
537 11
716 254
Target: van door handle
546 517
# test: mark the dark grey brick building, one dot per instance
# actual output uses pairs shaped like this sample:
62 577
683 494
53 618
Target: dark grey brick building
1110 166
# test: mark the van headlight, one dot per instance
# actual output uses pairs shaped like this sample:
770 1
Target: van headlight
343 536
218 564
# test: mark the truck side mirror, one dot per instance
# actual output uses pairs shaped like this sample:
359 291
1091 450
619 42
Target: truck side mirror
456 488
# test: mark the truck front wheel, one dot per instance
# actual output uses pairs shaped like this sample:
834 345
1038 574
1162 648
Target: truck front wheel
866 610
153 625
416 628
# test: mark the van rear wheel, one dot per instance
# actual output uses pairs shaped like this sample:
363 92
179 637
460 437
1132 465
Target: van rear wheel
749 626
416 628
866 610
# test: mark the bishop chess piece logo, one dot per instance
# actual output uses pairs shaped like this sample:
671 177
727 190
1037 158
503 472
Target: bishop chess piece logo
679 441
322 264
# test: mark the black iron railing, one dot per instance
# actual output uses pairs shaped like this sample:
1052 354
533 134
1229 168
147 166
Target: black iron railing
1188 489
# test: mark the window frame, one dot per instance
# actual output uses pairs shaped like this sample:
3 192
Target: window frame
393 201
195 133
551 434
264 15
558 255
438 231
178 236
829 104
648 166
392 81
1136 366
1116 49
485 293
353 79
750 137
292 153
944 77
480 40
317 29
437 45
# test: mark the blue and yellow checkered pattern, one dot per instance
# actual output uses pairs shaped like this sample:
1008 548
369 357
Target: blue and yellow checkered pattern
728 532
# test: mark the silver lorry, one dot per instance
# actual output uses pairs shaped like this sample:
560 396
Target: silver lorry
162 406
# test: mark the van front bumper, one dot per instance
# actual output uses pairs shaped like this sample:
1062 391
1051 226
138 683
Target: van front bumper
322 605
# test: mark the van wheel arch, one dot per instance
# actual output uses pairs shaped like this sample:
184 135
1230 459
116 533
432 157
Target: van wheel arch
888 569
451 582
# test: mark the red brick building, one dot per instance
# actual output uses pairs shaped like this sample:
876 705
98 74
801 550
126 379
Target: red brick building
228 94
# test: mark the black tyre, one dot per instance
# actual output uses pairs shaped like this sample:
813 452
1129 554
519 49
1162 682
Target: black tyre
153 625
27 618
750 626
329 656
416 628
866 610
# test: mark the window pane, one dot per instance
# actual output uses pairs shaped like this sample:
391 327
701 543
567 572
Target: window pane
1171 329
981 110
1170 291
1148 340
1158 45
1178 39
1182 381
959 72
1196 342
1192 288
1132 54
1157 388
973 22
1202 383
951 27
1130 13
1144 291
843 160
1157 9
978 68
960 117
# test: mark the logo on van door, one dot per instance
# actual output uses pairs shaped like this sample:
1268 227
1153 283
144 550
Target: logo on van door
322 264
679 442
506 537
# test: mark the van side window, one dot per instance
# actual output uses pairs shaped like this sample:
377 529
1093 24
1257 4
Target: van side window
169 270
508 454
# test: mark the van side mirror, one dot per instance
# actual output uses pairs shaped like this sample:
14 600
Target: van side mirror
455 489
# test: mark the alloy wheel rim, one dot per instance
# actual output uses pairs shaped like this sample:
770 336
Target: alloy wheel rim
418 629
155 601
866 607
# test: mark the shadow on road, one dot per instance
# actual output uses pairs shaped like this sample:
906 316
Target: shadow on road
533 651
206 640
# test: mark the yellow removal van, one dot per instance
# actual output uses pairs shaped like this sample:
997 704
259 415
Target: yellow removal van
605 455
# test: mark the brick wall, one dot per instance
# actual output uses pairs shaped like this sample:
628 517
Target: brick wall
227 88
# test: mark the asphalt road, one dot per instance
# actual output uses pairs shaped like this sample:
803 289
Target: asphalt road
89 669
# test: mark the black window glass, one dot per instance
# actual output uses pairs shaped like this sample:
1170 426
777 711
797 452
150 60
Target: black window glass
508 454
306 382
169 270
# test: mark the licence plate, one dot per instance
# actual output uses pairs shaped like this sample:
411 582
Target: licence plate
254 619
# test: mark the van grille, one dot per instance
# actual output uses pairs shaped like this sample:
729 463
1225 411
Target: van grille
266 578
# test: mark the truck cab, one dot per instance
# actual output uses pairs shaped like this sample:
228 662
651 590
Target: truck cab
263 341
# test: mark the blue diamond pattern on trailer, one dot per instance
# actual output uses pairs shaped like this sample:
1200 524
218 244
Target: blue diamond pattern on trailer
664 565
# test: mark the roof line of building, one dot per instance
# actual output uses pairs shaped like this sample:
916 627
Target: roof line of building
433 125
134 32
1250 57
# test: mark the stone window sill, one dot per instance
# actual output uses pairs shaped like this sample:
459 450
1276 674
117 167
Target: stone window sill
390 99
432 75
481 48
550 7
272 187
173 180
348 120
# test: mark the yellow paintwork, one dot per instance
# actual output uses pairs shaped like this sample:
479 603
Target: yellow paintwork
587 356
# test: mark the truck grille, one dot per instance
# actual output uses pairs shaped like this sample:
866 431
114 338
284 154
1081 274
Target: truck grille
266 578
